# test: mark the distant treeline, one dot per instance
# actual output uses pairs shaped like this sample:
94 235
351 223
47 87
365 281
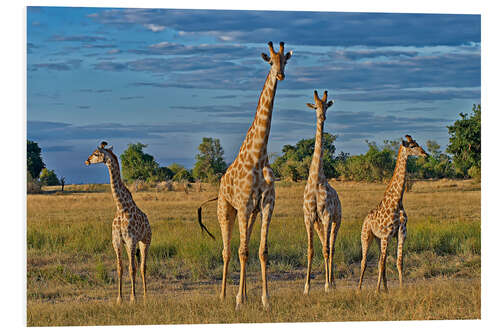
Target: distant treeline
461 159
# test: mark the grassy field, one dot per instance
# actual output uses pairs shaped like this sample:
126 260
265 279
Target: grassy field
72 277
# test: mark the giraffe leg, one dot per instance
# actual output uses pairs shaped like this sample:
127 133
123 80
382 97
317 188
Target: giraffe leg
326 251
267 212
310 251
132 269
117 245
366 240
381 262
226 215
243 254
401 240
144 246
333 238
384 272
252 219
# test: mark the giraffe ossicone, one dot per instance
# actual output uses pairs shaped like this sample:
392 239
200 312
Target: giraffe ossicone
247 188
322 207
389 218
130 225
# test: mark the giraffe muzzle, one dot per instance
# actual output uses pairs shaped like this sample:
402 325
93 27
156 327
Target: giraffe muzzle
87 162
281 76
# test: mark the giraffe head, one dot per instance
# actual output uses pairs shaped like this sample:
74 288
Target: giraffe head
277 60
100 155
320 105
411 147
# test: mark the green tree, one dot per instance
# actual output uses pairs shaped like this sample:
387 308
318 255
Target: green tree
34 157
138 165
295 161
210 164
465 143
49 177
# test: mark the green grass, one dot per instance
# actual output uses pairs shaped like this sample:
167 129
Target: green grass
72 269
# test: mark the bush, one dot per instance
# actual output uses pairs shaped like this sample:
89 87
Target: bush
49 177
33 185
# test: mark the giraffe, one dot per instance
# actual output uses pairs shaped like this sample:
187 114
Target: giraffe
130 225
247 188
389 217
322 208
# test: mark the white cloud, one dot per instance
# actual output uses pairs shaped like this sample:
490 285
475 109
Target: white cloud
154 27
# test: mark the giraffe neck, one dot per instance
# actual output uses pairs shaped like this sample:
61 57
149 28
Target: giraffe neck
395 189
121 194
258 134
316 171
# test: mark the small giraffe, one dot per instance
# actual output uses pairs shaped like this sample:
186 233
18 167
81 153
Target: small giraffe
322 208
389 218
130 225
247 188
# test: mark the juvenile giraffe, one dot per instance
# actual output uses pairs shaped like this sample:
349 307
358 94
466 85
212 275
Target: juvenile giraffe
247 188
389 218
322 208
130 225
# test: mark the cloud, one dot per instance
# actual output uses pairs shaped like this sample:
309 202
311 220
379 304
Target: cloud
154 27
76 38
131 97
98 91
67 65
58 148
346 29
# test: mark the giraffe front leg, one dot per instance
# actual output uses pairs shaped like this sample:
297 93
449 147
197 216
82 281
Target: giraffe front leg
401 240
117 245
243 255
132 269
333 238
366 239
381 263
267 212
310 251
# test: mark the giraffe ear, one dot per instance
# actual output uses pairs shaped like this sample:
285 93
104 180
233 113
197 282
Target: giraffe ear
312 106
110 148
330 103
265 57
288 55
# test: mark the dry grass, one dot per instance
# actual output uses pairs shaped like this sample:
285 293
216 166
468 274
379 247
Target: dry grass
71 267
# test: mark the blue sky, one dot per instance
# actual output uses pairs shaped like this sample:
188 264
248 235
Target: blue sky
167 78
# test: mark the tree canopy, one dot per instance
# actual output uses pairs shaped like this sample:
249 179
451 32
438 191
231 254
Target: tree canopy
49 177
210 164
138 165
296 159
465 142
34 157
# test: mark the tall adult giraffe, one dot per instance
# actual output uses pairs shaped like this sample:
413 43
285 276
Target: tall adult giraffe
130 225
389 218
322 208
247 187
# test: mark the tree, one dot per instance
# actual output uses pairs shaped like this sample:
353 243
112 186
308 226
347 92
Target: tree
62 180
210 164
295 161
34 157
465 143
138 165
48 177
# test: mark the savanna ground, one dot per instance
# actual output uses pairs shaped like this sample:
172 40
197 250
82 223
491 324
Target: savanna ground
72 271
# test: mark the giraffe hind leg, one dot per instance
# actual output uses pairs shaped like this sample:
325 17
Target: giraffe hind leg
117 246
144 247
226 215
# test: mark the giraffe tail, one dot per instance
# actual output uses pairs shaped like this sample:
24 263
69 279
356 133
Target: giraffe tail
202 226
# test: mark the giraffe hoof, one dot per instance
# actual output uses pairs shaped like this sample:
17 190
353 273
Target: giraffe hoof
119 300
132 300
265 302
306 290
327 288
358 291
